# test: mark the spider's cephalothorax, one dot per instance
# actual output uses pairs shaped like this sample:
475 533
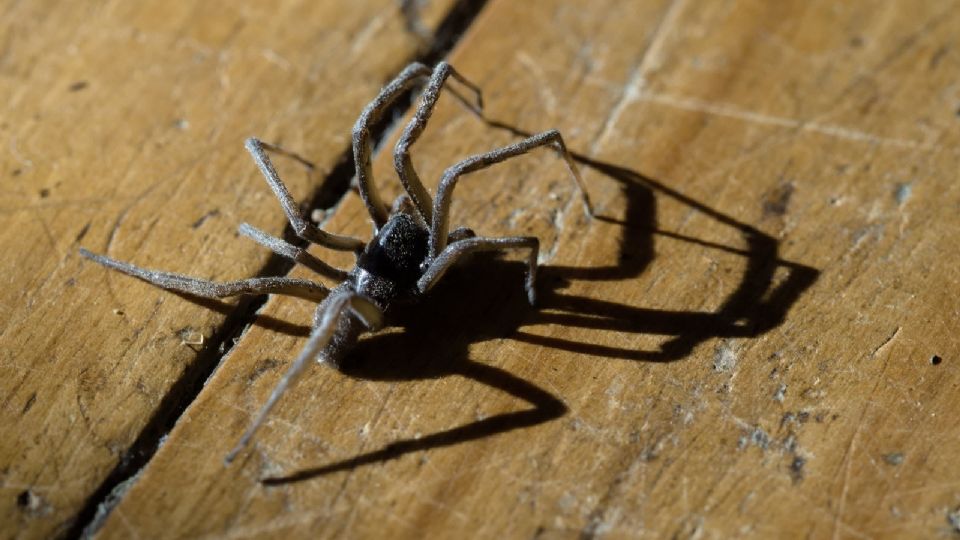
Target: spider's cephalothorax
395 255
410 251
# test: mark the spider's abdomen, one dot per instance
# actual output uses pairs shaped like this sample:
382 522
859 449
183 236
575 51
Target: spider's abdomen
397 251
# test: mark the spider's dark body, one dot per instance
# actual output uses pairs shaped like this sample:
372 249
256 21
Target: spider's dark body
387 270
410 251
395 254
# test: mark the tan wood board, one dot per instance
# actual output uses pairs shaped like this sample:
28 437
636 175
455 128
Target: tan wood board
809 405
122 130
742 343
748 353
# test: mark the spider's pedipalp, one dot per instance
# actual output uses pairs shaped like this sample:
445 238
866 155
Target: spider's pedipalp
304 229
335 308
428 100
211 289
441 205
455 251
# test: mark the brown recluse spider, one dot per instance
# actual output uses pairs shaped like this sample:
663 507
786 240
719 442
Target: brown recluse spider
410 251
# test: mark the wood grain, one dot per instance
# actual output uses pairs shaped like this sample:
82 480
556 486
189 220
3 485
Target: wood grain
756 335
122 131
747 354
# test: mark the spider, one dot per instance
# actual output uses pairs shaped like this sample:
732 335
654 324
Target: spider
410 251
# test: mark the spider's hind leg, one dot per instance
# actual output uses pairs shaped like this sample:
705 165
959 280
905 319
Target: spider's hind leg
211 289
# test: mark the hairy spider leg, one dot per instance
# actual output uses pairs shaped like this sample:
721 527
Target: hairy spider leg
428 100
457 250
211 289
441 205
339 304
303 228
362 146
289 251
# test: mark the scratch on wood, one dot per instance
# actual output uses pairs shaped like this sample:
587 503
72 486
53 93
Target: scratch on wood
543 82
731 111
638 78
365 34
886 343
274 58
838 522
848 461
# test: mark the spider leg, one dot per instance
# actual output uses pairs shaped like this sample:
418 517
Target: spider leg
291 252
363 148
304 229
339 304
459 234
211 289
461 248
401 153
441 205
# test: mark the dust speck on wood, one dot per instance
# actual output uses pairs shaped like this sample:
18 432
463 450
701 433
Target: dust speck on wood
953 518
724 359
780 394
893 458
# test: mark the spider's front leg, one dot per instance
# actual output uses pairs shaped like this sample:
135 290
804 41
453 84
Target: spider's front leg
289 251
401 153
363 148
328 319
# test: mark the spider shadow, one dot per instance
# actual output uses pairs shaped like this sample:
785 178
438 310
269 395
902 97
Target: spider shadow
758 304
434 343
463 310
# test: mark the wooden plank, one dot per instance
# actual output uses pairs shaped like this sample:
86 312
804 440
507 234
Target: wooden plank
122 130
744 343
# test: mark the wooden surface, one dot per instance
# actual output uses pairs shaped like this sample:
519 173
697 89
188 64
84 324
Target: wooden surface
123 127
756 336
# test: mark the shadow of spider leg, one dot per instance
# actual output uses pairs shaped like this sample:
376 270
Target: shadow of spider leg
545 407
